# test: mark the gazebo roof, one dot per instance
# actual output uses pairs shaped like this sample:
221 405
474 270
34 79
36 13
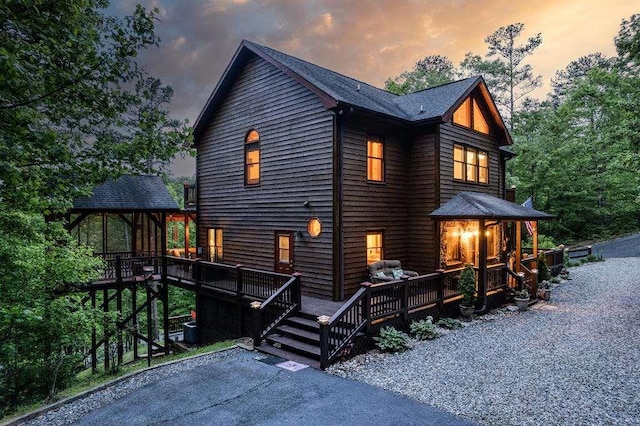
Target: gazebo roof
129 193
476 205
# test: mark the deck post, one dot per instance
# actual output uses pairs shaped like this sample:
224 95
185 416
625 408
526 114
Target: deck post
105 308
297 289
323 321
404 301
440 289
239 280
256 326
94 359
366 304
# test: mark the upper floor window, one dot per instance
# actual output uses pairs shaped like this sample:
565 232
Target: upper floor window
252 158
374 247
470 115
375 160
470 164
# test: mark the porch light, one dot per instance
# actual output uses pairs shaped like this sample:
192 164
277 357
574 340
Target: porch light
323 320
255 305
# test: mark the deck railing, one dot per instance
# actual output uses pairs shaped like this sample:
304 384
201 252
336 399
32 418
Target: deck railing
279 305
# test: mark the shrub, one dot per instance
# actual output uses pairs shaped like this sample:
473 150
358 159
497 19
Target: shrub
450 323
424 329
392 340
522 294
543 270
467 286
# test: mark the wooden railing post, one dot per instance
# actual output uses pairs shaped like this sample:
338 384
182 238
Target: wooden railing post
239 280
297 289
440 289
366 304
323 321
404 301
256 326
118 269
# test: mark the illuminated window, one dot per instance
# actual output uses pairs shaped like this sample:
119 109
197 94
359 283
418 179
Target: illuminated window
492 240
252 158
314 227
375 160
374 247
462 115
453 247
470 115
284 249
470 164
215 239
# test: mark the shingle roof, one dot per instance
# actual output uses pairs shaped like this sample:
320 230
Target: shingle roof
129 193
476 205
333 88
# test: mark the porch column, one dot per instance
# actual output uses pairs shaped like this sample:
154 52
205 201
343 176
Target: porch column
186 235
534 244
482 263
517 267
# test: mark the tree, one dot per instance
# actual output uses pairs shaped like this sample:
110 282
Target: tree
508 79
433 70
576 70
75 109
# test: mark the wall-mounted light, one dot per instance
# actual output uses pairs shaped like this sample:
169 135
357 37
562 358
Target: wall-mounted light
297 236
306 203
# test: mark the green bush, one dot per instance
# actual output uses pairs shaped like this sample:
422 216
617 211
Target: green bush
424 329
392 340
450 323
543 270
467 286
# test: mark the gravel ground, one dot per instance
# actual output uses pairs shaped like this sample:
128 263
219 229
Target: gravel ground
73 411
573 360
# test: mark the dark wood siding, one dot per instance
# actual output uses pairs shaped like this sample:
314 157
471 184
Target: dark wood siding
451 134
296 136
422 252
373 206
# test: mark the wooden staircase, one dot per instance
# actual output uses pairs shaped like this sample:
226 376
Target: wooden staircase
297 339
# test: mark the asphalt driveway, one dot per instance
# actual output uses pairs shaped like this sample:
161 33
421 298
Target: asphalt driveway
246 391
628 246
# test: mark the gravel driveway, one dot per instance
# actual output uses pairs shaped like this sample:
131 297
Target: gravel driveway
573 360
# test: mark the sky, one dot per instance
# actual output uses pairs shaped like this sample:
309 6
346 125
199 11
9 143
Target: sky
369 40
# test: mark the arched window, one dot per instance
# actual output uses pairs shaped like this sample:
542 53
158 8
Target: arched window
252 158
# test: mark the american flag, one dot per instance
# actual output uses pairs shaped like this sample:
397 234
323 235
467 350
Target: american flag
528 203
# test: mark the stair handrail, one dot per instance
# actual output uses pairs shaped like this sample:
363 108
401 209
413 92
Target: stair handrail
329 351
261 309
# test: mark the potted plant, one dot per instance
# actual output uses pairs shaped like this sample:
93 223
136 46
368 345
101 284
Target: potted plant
544 290
522 299
467 287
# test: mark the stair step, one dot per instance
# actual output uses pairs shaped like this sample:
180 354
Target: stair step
304 323
300 334
294 345
291 356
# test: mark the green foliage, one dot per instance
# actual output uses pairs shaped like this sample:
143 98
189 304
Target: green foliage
449 323
543 270
467 286
433 70
544 241
392 340
522 294
424 329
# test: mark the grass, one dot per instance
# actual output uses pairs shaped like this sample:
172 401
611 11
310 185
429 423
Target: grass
85 380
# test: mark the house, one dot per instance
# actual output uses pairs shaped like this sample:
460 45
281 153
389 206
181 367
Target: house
303 169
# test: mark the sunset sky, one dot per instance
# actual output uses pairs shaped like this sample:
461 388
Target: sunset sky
366 40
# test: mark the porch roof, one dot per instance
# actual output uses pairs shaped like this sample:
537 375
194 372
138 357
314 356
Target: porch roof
128 193
476 205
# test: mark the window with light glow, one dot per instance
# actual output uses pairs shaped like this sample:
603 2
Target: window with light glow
252 158
314 227
374 247
214 239
470 115
284 249
375 160
470 164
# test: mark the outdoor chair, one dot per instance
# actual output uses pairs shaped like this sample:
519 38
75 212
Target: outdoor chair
388 270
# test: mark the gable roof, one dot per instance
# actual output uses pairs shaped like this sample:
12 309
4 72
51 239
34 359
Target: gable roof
129 193
435 104
476 205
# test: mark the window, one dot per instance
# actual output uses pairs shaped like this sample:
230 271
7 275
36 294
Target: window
470 115
374 247
215 245
492 241
252 158
470 164
375 160
314 227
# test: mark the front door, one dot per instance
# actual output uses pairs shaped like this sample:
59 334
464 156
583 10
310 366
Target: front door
284 252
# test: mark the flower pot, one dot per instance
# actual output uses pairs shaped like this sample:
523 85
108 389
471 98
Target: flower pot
546 294
190 332
522 304
466 311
